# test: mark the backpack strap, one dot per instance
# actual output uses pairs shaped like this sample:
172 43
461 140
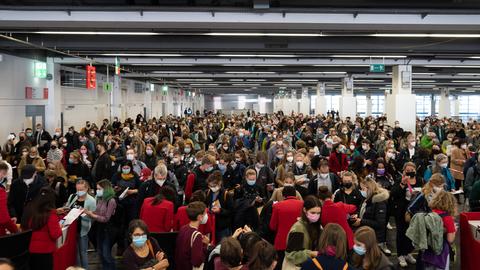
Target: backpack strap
317 264
150 248
194 236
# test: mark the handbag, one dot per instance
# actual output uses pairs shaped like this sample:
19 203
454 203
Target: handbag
194 236
287 265
151 262
439 261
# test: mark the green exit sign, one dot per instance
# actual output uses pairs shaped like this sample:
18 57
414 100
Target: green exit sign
40 70
377 68
107 87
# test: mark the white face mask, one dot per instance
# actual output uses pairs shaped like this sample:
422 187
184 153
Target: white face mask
324 175
160 182
130 157
289 159
413 144
204 219
288 185
299 164
28 181
214 189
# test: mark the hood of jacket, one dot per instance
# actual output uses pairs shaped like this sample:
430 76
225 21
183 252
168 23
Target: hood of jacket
381 195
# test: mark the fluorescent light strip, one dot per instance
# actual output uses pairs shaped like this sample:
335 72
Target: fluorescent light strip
246 84
256 65
465 81
298 80
368 80
97 33
143 54
368 56
258 55
428 35
266 34
454 66
422 73
236 80
322 72
468 74
424 81
194 80
256 80
353 65
204 84
250 72
177 72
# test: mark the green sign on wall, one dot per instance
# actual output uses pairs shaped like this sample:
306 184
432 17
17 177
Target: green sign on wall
40 70
107 87
377 68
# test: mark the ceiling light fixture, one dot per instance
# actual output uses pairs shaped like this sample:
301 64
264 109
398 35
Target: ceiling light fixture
97 33
250 72
194 80
143 54
178 72
258 55
368 56
465 81
322 72
265 34
400 35
204 84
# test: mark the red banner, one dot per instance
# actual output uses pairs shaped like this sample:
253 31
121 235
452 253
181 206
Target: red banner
91 77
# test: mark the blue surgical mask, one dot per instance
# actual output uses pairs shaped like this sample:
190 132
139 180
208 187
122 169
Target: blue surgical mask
81 193
126 171
71 160
222 167
251 182
359 250
99 192
364 193
209 169
139 241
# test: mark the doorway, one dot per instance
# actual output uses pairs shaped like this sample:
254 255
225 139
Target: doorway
34 114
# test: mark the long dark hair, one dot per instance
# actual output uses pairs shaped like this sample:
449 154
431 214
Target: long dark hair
38 211
313 229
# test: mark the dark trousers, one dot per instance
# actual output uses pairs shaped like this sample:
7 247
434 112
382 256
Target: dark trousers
41 261
404 244
281 256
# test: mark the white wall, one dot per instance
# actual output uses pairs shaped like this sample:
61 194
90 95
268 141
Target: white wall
231 103
77 104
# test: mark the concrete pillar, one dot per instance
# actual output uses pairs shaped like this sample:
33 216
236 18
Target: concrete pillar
54 106
147 101
304 104
348 102
444 103
262 104
432 104
278 103
321 102
369 104
456 111
401 103
116 99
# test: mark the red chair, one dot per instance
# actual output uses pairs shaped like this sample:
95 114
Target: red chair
469 246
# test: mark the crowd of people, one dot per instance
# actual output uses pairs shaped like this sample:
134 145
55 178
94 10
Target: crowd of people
254 191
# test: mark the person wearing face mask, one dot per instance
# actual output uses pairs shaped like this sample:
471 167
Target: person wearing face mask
249 198
42 139
303 174
321 176
144 251
105 233
23 191
302 239
459 156
102 169
348 192
76 169
265 176
178 168
22 143
162 178
54 153
82 200
158 212
472 174
72 137
368 154
6 222
441 166
403 193
200 175
219 203
34 159
289 181
284 215
192 245
137 165
367 254
150 157
410 152
272 151
337 161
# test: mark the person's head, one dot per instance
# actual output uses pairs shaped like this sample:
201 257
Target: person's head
444 201
349 180
231 253
3 170
104 190
38 211
6 264
289 191
368 187
366 249
410 170
138 233
262 158
434 185
366 145
101 147
130 154
289 180
380 164
311 210
28 173
198 196
441 161
324 193
251 177
324 167
208 163
264 257
411 141
127 167
333 241
299 160
150 150
74 157
82 188
196 212
33 152
289 156
160 174
214 181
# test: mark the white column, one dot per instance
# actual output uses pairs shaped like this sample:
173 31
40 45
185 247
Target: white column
321 102
290 103
54 106
116 99
401 103
444 103
348 102
304 102
456 112
147 101
262 104
369 104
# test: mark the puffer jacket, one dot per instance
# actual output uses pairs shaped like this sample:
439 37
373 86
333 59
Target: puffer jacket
374 213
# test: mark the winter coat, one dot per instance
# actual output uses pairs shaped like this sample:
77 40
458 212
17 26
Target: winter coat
373 213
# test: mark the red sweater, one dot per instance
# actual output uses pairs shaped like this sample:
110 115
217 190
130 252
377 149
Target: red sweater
44 240
5 222
181 219
159 218
284 215
338 213
189 253
336 165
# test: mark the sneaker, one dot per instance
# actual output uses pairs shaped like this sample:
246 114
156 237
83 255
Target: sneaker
389 226
410 259
384 248
402 262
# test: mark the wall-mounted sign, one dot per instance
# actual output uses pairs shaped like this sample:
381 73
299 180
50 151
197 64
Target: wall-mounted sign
379 68
107 87
91 77
36 93
40 70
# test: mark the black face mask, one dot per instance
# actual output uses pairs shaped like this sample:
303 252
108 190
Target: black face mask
347 185
411 174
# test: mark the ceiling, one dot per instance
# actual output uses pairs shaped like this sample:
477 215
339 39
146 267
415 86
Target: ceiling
256 46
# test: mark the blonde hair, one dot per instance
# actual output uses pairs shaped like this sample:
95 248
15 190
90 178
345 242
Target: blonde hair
250 172
444 201
437 179
352 175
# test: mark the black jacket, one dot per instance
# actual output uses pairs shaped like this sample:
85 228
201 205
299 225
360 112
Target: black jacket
313 186
102 168
355 197
375 215
181 172
21 194
200 179
150 188
223 219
